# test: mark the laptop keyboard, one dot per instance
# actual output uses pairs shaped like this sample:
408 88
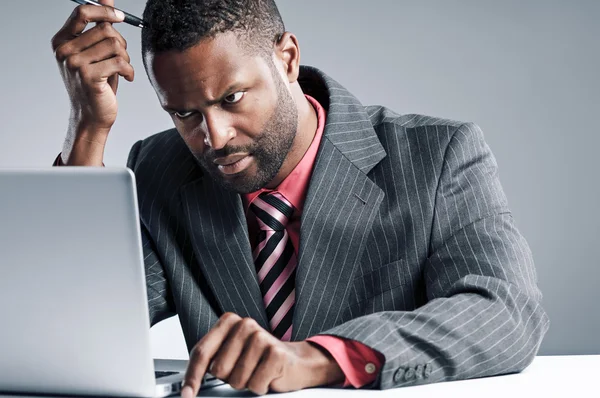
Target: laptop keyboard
159 374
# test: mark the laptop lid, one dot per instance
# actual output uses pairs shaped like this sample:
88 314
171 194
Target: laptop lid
72 284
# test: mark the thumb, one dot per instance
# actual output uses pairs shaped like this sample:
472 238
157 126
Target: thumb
107 2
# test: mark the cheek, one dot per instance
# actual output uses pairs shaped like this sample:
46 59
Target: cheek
193 137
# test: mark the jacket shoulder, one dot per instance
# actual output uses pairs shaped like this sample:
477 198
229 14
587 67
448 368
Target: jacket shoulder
162 157
381 115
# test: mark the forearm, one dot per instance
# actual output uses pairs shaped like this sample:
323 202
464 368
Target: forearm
486 327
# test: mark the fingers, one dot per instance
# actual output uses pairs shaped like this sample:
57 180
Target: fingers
227 357
101 32
81 17
252 353
203 353
86 54
270 368
108 48
100 71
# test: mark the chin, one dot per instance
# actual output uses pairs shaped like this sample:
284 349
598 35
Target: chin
240 183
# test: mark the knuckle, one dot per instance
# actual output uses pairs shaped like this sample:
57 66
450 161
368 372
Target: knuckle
84 73
121 62
248 324
195 353
230 317
81 13
257 387
202 357
77 12
72 62
197 350
61 53
114 42
235 379
105 27
218 370
275 353
257 338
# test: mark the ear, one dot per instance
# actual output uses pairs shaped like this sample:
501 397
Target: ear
287 52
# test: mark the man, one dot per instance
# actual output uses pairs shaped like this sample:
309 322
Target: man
303 239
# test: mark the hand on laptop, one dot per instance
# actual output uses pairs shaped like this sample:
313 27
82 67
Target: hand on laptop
238 351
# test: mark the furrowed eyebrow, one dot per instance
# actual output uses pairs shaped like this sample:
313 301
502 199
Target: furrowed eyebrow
233 88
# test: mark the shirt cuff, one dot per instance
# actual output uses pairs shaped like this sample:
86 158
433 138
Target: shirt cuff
58 161
359 363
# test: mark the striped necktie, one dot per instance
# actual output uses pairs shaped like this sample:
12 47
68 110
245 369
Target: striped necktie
275 261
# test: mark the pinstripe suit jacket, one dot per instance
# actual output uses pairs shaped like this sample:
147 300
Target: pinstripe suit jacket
407 244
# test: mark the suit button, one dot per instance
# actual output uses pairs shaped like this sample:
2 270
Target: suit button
419 371
410 374
398 375
427 371
370 368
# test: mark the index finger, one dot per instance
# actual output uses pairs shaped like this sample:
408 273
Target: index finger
80 17
203 353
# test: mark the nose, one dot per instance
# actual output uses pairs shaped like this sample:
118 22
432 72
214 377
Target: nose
218 129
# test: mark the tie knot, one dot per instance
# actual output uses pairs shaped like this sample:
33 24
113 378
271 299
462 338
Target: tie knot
272 210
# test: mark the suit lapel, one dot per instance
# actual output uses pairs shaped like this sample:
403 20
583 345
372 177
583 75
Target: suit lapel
339 209
219 238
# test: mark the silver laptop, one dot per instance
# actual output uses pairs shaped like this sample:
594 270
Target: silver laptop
74 318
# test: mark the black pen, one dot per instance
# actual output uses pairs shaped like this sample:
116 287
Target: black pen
130 19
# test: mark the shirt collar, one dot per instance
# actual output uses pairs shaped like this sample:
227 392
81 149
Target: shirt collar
295 186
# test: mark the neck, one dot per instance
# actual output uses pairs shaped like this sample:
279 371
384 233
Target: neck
307 127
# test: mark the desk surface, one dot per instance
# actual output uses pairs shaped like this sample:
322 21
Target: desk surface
547 376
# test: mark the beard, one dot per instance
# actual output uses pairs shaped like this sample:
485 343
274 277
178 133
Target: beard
269 149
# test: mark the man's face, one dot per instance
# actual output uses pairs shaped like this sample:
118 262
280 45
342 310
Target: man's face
238 103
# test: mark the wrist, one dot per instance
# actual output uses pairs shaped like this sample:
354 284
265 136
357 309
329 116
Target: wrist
79 124
325 370
83 150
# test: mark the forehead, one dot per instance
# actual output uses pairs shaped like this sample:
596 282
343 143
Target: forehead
204 71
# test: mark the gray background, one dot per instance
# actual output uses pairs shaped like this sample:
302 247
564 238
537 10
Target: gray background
525 71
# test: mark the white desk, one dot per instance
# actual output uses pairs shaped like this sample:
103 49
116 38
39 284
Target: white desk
547 376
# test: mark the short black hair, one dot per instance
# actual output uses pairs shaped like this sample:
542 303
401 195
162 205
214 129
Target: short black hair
181 24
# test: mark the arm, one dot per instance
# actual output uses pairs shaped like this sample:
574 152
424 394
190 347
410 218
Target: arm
483 315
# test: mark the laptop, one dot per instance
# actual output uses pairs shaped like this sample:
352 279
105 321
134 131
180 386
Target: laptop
74 317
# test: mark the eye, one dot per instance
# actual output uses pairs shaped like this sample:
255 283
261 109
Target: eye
182 115
235 97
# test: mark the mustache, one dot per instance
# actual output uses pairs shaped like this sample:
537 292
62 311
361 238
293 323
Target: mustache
212 154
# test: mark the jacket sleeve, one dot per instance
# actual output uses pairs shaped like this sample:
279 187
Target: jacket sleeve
160 301
483 315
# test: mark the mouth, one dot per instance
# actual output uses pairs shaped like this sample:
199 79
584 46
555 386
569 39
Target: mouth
233 164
